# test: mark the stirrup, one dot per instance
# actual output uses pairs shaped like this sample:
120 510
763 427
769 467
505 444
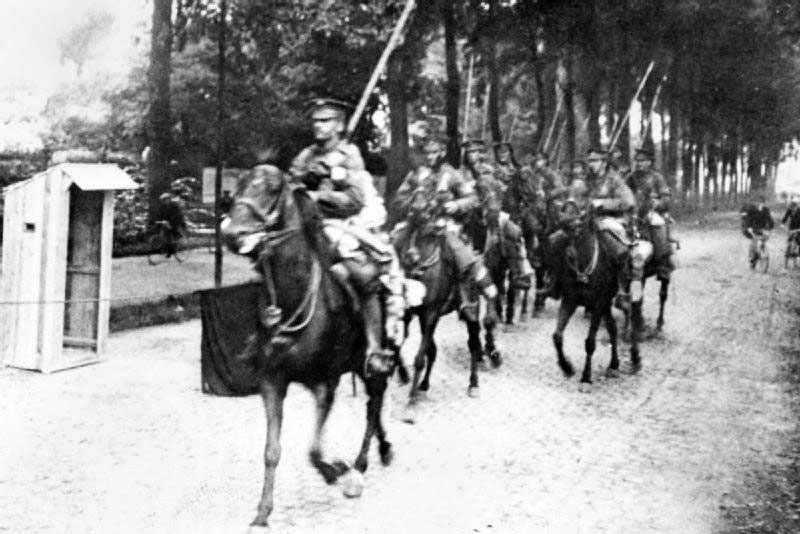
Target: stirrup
379 363
622 301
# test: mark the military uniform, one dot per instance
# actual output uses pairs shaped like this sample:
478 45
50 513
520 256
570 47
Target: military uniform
652 197
489 221
421 200
334 173
614 203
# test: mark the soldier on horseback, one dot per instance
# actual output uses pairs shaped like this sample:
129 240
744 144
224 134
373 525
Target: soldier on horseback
489 218
652 199
436 198
333 171
608 195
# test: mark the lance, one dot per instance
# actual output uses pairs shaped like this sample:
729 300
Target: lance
485 110
653 108
624 120
394 41
553 124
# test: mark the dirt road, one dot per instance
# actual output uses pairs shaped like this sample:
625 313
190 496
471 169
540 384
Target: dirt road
704 439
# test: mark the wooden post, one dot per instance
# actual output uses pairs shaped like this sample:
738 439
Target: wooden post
624 120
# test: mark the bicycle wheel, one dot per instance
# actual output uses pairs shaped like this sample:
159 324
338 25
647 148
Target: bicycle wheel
181 249
156 249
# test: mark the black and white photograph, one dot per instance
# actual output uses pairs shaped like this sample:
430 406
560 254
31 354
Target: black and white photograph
400 267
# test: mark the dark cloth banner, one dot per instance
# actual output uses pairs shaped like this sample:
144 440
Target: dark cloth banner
230 319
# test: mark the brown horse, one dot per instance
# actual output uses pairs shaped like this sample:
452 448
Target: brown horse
309 334
436 269
590 280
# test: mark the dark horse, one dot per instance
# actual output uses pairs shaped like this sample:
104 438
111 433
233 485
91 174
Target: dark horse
437 271
309 334
590 281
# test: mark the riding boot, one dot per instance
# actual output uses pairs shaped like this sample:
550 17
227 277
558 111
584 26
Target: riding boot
623 299
378 361
342 275
489 291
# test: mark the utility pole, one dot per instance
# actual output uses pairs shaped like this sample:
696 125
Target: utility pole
220 144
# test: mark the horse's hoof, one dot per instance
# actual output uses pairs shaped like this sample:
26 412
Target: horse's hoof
495 358
585 387
259 529
422 394
474 392
353 484
612 373
636 367
566 368
386 453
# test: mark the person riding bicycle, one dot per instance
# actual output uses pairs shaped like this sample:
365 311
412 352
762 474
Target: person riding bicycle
757 223
333 171
437 199
170 210
605 192
489 219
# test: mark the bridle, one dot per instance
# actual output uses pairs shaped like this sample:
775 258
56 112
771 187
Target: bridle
268 242
583 275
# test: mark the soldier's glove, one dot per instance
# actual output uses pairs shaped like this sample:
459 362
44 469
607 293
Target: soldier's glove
450 207
338 174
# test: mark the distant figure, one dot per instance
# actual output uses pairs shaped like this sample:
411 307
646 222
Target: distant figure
226 202
756 222
792 216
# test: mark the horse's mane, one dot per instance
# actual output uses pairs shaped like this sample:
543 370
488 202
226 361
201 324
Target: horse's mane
311 222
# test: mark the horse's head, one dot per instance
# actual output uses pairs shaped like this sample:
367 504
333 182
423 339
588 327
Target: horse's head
574 219
257 211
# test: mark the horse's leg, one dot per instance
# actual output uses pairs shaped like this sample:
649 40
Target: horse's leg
376 388
565 311
523 312
490 349
590 344
431 323
636 318
511 297
476 356
662 297
384 447
611 327
273 392
324 393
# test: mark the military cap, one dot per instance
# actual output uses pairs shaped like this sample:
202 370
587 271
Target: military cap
433 142
473 145
325 104
644 153
596 151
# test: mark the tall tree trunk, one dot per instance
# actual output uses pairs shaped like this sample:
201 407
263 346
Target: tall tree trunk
593 110
159 121
490 50
398 121
453 92
541 105
711 173
569 106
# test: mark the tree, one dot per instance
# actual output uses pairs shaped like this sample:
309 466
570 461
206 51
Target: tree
159 120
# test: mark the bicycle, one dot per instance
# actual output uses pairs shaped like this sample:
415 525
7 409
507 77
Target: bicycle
162 244
792 249
759 253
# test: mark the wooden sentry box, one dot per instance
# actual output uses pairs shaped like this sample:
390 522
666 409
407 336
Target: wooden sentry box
55 282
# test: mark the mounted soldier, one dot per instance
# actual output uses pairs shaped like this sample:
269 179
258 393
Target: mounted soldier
652 199
332 170
489 220
436 198
616 161
614 205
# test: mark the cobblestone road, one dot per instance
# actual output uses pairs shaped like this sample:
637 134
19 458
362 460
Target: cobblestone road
131 445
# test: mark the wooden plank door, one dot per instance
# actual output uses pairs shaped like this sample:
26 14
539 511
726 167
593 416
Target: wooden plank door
81 311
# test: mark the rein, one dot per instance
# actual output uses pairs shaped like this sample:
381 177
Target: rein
583 275
301 316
